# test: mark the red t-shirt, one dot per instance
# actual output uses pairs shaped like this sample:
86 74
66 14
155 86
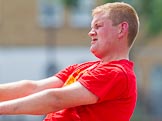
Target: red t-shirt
114 83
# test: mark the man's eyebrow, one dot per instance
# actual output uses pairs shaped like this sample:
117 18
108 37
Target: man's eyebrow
95 23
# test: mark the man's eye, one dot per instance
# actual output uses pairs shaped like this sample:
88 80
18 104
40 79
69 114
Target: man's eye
97 26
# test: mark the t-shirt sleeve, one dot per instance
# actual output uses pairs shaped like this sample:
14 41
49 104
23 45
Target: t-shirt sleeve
107 83
64 74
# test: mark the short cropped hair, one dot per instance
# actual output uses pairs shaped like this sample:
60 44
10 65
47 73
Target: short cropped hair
119 12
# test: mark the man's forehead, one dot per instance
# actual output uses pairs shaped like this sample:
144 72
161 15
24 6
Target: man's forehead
98 19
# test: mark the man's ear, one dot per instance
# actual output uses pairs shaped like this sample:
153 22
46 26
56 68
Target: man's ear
123 29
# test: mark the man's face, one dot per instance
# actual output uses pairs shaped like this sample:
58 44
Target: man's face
104 36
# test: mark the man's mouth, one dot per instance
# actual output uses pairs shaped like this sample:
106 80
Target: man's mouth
94 40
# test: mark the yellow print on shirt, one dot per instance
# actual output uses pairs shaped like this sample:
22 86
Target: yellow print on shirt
73 77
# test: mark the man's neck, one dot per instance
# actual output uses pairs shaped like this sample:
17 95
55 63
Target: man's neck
115 57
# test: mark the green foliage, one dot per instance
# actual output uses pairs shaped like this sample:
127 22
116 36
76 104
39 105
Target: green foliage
156 17
107 1
70 3
151 10
127 1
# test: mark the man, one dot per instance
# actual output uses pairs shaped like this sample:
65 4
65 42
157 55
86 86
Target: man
102 90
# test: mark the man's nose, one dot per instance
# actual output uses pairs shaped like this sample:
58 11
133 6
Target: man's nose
92 33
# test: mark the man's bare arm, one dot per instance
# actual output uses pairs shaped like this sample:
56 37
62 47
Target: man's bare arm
50 100
26 87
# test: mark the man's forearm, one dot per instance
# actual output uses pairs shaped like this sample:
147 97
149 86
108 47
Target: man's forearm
36 104
15 90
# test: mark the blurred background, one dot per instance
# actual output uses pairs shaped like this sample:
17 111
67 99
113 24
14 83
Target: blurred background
40 37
